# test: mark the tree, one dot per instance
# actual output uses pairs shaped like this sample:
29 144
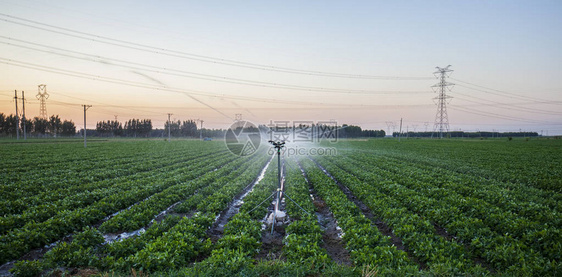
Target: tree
116 128
350 131
131 127
8 124
68 128
189 128
146 127
174 127
2 123
55 125
105 128
40 125
134 127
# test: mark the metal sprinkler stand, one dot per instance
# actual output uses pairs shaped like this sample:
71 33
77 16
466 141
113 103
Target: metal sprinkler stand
277 145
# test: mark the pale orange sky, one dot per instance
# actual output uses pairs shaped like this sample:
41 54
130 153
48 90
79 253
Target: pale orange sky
213 60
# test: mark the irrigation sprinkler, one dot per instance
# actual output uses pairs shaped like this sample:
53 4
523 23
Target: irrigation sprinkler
277 145
280 189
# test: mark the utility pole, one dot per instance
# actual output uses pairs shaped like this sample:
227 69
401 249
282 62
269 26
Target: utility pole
441 117
400 132
201 130
24 121
169 127
17 116
86 107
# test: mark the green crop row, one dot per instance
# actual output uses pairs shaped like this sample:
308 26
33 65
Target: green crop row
223 191
523 200
90 194
241 240
444 205
366 245
391 201
141 214
54 176
491 221
57 185
302 244
34 235
174 243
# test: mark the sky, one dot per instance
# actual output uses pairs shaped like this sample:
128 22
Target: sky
367 63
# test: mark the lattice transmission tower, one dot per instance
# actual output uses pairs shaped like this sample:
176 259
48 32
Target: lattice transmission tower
441 118
42 95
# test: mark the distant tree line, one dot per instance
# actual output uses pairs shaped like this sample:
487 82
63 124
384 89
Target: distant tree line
132 128
461 134
181 129
40 127
144 128
351 131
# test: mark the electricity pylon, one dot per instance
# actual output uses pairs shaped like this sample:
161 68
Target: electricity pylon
42 95
441 118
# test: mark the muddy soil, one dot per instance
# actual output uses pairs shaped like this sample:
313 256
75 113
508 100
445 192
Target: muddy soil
331 239
272 239
216 231
33 255
272 244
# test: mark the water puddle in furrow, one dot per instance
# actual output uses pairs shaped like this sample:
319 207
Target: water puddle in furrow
234 206
280 215
39 252
33 255
272 239
325 218
333 234
112 237
109 238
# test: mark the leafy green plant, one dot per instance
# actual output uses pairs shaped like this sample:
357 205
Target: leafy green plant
27 268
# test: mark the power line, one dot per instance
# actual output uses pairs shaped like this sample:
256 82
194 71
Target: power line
500 116
504 93
509 106
132 108
188 93
191 56
200 76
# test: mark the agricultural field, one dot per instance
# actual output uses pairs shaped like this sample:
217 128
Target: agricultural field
378 207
